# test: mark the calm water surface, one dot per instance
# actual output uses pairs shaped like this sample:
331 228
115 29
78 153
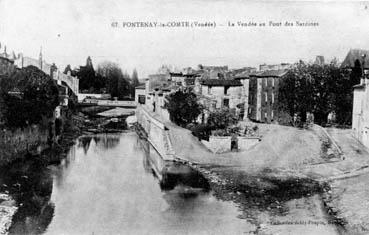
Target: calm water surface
106 186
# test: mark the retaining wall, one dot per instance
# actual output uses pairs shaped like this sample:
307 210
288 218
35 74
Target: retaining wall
158 134
222 144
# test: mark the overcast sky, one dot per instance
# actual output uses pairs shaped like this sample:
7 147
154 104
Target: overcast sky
71 30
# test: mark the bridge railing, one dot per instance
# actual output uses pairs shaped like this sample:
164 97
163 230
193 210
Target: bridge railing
72 82
116 103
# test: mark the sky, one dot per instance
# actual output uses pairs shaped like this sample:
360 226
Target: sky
70 30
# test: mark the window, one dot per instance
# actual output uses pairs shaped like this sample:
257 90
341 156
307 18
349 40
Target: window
209 90
273 82
266 96
272 114
226 103
141 99
272 97
226 90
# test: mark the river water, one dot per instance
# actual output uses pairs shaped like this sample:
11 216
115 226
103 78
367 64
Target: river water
107 185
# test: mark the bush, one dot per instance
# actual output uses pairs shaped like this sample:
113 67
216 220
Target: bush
28 96
183 107
201 131
222 119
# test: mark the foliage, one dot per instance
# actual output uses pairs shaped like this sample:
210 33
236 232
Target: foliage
222 119
88 80
134 82
29 95
117 82
183 107
318 90
201 131
108 78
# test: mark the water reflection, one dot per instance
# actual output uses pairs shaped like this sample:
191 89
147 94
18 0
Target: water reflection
106 186
173 175
30 184
105 141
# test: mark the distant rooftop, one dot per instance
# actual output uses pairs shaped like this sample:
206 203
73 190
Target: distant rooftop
356 54
270 73
220 82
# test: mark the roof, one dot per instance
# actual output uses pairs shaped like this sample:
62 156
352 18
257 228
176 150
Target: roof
353 55
220 82
189 80
141 87
359 86
175 74
270 73
244 75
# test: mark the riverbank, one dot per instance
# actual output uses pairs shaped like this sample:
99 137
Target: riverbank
280 185
21 171
348 197
27 170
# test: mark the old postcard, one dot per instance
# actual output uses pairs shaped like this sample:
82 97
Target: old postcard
184 117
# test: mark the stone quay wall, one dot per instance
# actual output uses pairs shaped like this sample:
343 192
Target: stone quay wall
158 133
222 144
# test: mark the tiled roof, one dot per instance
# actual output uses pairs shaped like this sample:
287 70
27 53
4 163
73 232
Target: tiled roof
220 82
244 74
353 55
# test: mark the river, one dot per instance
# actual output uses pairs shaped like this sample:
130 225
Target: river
107 185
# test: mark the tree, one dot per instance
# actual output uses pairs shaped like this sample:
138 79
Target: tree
183 107
86 76
221 119
117 83
134 82
318 90
28 95
296 91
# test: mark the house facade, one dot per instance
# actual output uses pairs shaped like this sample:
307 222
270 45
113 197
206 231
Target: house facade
263 95
360 111
223 93
140 94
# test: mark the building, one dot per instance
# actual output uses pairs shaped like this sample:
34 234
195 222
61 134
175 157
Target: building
360 111
263 95
319 60
217 94
183 80
282 66
140 94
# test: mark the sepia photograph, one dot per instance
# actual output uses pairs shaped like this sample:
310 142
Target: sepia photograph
193 117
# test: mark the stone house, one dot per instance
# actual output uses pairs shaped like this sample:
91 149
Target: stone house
263 95
183 80
360 111
224 93
140 94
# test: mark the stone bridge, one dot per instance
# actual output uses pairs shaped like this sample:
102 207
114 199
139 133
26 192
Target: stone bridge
108 103
70 81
